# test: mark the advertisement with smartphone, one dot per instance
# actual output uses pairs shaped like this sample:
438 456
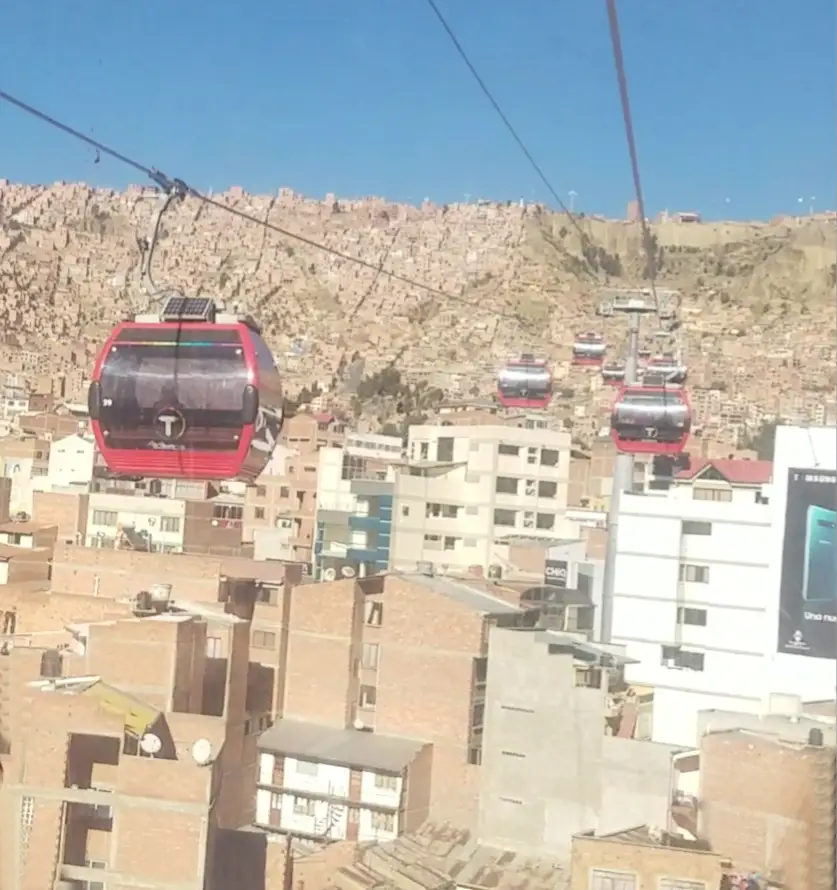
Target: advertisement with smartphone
808 591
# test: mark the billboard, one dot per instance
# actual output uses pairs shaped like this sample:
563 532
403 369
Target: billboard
808 582
556 573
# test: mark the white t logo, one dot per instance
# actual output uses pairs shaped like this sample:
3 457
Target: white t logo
168 421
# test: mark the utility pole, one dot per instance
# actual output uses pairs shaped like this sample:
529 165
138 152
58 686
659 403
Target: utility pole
634 304
288 878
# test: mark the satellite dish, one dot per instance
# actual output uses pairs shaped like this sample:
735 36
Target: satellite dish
358 723
150 744
348 571
329 574
202 752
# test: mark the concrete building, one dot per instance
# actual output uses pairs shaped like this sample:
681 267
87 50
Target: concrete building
558 754
692 568
160 524
280 508
467 490
355 487
767 796
71 462
341 784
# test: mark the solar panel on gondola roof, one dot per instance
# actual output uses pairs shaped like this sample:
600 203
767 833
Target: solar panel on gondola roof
180 308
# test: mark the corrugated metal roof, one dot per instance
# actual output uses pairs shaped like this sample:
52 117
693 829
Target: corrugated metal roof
343 747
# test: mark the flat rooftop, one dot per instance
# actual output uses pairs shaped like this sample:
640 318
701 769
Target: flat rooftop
463 593
340 747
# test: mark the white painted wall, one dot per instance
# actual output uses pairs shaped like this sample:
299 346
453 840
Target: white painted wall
651 550
71 462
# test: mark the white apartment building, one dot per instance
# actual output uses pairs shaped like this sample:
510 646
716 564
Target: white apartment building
468 491
691 605
355 485
71 462
159 522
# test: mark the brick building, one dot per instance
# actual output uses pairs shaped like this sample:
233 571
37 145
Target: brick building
641 858
767 800
130 740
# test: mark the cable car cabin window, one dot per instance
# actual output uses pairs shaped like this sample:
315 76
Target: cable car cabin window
176 390
515 380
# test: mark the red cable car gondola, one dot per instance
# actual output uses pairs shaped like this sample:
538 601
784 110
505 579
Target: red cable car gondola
589 350
525 383
188 394
651 420
613 373
669 366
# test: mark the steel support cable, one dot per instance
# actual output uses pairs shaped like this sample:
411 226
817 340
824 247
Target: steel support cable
627 117
512 130
180 188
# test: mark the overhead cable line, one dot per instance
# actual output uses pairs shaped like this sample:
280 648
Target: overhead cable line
539 172
178 187
627 117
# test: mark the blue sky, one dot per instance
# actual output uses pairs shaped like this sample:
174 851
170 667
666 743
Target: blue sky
734 101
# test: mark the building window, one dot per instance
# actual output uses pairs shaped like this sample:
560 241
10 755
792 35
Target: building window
531 455
369 659
374 616
546 521
697 528
303 806
284 492
95 863
506 485
444 449
681 659
263 639
450 543
469 542
475 756
386 783
694 617
611 880
275 801
694 574
258 513
213 647
508 450
547 489
405 510
550 457
711 494
105 517
261 491
307 768
506 518
170 524
383 822
368 697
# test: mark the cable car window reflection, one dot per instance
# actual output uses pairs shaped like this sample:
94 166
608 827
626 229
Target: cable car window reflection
207 385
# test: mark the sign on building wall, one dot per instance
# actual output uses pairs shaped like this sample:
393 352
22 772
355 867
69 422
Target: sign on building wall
808 584
556 573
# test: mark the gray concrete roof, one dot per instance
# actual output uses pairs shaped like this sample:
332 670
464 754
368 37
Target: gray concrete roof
343 747
464 594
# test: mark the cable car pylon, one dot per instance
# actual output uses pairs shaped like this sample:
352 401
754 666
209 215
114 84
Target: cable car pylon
634 304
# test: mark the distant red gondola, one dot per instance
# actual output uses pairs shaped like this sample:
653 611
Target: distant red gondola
525 383
651 420
667 365
613 373
589 350
188 394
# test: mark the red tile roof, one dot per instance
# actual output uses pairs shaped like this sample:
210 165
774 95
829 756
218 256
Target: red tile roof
736 472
